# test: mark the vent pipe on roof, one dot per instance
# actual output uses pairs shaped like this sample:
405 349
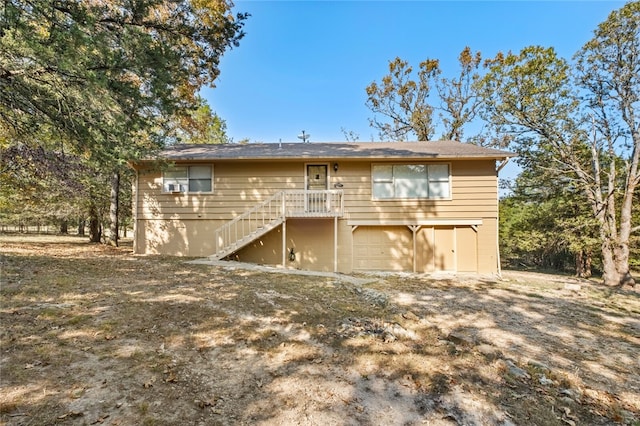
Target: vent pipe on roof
280 143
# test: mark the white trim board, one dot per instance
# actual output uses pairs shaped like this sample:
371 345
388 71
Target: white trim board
420 222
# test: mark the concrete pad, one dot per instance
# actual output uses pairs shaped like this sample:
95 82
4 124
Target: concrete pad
233 265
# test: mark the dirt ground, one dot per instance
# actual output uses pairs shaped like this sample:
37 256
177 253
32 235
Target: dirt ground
95 335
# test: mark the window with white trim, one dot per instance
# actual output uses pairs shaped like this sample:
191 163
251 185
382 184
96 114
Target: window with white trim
403 181
188 179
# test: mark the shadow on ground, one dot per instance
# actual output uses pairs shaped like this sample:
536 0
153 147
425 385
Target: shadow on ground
97 336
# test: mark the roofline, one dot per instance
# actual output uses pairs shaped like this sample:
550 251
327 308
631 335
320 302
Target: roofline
327 151
138 163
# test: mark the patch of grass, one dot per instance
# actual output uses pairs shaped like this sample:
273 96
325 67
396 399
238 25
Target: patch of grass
534 295
50 314
142 338
77 320
143 408
149 421
109 326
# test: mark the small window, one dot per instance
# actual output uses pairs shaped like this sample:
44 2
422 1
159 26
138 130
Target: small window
439 186
410 181
382 177
188 179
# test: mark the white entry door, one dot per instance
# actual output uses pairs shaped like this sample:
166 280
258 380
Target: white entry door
317 180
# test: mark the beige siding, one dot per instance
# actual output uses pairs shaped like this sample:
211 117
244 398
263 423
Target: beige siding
266 250
474 194
345 247
488 247
184 224
426 253
237 187
176 237
312 241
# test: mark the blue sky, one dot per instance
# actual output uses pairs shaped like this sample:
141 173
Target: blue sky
304 65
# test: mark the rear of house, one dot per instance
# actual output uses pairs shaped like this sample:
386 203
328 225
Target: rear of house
343 207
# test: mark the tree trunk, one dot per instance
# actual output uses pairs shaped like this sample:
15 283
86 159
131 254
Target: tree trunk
64 226
621 250
615 245
113 209
580 264
588 260
583 264
81 224
95 233
610 274
605 213
621 253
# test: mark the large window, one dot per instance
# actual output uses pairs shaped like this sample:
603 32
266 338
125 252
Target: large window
393 181
188 179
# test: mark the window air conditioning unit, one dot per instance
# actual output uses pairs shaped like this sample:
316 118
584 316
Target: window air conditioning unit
173 187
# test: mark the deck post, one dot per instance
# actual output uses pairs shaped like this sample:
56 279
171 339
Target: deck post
283 209
335 244
284 243
414 229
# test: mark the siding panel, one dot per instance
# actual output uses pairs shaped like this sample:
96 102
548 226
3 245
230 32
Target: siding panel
238 186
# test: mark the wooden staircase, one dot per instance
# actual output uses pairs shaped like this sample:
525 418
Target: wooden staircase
271 213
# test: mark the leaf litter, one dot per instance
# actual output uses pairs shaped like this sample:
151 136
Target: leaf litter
92 334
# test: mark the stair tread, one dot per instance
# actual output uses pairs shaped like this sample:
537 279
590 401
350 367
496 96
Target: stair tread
252 236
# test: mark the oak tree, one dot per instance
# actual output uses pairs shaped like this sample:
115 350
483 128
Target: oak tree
404 102
578 124
408 106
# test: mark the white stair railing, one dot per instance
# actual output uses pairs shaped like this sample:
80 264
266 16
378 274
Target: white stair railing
261 217
268 214
314 203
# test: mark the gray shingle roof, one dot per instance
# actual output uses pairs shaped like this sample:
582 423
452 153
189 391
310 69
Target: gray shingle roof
333 150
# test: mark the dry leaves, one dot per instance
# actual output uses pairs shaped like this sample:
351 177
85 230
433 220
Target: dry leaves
99 336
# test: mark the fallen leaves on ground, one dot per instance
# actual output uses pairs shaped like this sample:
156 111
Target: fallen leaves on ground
95 335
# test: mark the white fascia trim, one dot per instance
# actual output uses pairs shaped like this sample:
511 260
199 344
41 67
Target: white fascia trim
421 222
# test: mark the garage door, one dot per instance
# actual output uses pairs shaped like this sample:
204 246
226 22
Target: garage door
447 249
382 248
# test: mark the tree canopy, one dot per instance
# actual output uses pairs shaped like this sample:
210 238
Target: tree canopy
576 125
99 83
98 72
201 126
407 108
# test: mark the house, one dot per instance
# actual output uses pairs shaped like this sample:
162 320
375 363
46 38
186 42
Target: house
341 207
